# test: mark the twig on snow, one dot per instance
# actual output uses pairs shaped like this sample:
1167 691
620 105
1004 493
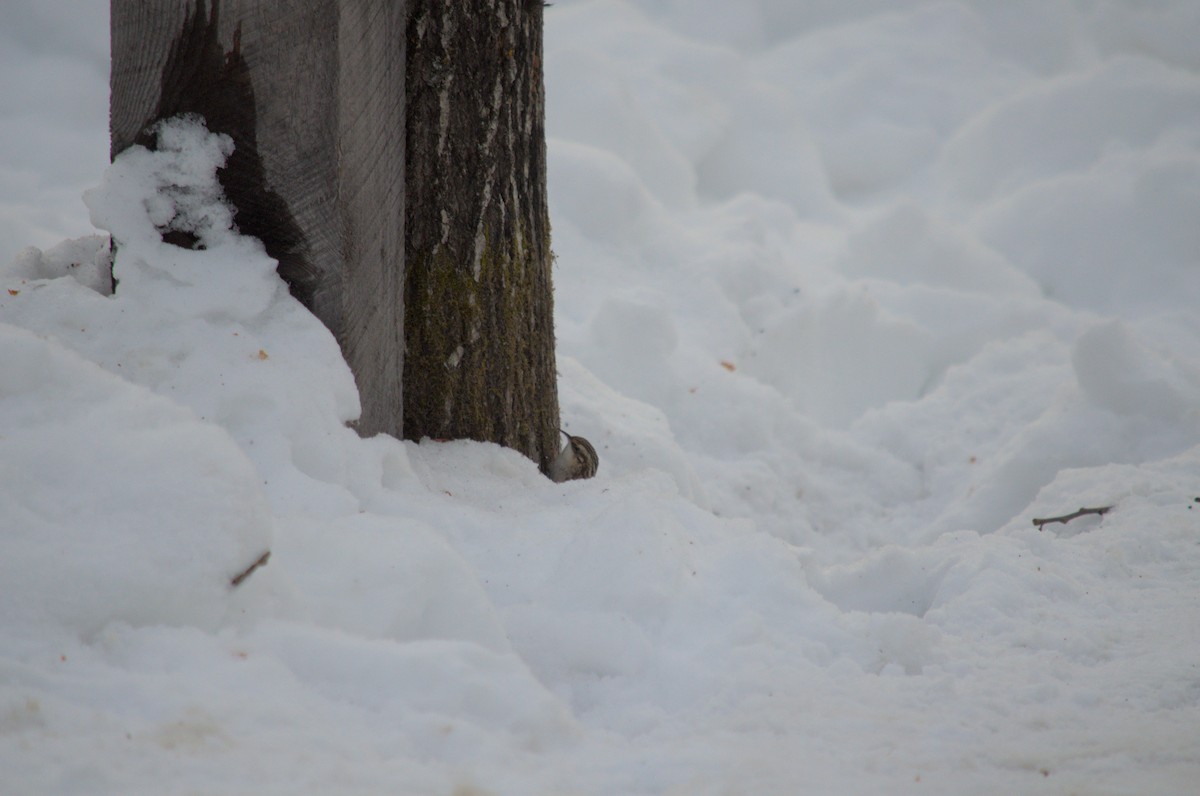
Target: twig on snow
1101 511
245 573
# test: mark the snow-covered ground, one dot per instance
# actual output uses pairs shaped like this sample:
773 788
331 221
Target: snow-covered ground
848 292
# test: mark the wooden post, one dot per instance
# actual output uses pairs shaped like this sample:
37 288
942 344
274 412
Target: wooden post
312 93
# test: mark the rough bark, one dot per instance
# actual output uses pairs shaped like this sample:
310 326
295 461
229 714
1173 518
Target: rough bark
311 91
479 309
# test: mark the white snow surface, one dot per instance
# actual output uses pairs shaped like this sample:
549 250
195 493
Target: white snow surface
847 294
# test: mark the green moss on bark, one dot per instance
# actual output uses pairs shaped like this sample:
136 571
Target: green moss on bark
480 350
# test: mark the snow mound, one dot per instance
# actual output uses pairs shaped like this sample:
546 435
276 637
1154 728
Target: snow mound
213 328
210 367
1069 124
1129 377
88 260
115 504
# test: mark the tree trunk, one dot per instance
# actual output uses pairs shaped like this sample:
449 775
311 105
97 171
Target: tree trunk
312 93
479 329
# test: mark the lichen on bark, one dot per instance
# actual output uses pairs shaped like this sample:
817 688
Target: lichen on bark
479 335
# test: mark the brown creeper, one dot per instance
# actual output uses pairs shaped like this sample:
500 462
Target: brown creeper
577 459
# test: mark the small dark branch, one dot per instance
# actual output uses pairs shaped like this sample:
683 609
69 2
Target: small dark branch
245 573
1101 511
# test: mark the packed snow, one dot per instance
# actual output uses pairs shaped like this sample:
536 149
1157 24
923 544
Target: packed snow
847 295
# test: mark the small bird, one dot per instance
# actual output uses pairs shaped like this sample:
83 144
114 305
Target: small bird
577 459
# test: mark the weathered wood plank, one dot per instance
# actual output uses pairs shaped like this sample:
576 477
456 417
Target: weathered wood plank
312 93
371 55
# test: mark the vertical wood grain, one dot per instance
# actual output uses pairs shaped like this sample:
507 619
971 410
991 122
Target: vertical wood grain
370 180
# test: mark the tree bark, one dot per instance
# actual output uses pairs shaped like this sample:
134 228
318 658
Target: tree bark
312 93
479 329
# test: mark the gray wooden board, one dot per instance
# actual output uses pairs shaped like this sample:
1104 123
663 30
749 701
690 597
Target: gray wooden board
312 92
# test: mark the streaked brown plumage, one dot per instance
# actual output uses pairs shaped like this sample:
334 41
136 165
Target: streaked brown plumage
577 459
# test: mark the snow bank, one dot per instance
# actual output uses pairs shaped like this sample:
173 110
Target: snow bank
847 294
115 504
211 328
209 331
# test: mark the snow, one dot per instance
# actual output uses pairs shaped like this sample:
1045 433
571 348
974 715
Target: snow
847 294
73 429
